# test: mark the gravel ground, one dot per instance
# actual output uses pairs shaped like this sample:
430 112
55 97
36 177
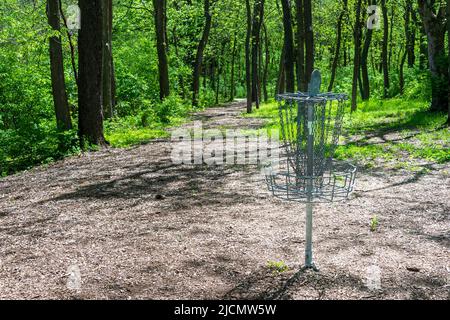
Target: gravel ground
130 224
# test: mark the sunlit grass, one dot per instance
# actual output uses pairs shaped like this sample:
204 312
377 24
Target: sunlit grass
395 130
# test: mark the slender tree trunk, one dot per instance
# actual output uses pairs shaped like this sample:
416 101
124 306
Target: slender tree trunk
356 58
107 60
90 48
71 45
258 15
401 78
338 47
248 73
161 46
309 40
435 28
177 52
345 53
281 75
219 71
266 63
384 54
233 59
448 88
365 92
61 105
199 55
410 34
391 30
300 36
289 46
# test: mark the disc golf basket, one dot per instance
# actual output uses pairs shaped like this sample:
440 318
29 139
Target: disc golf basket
306 172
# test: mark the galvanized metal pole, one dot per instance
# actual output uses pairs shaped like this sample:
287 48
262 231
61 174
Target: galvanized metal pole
310 174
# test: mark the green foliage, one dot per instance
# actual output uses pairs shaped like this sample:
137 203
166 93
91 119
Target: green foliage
150 123
374 223
28 134
277 266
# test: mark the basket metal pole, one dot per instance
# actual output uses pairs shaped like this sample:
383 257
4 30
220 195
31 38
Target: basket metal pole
310 174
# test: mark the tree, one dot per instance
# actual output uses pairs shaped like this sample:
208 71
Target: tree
161 46
357 49
90 48
300 37
435 28
309 39
410 33
365 92
288 46
62 112
448 34
108 78
199 54
258 16
233 62
384 54
248 82
338 45
266 63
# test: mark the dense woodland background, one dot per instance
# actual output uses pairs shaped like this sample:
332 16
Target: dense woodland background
139 66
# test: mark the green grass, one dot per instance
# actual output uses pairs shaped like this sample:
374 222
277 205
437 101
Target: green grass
277 266
396 132
134 130
126 138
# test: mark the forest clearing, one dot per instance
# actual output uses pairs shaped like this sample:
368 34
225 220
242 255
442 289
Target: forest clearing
99 200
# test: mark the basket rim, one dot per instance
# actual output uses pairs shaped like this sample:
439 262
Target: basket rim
306 97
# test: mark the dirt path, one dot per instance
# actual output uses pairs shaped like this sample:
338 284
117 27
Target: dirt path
137 226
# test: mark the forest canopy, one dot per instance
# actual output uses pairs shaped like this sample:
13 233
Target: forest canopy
136 67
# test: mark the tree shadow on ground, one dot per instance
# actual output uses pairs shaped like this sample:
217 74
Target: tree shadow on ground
266 285
177 186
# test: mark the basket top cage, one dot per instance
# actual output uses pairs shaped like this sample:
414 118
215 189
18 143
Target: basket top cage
312 98
311 124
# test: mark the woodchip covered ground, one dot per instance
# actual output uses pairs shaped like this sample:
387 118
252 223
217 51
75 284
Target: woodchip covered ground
137 226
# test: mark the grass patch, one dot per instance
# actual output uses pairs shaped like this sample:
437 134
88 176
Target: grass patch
277 266
394 130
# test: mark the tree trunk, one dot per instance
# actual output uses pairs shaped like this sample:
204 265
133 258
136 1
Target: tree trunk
161 46
401 78
309 40
300 35
258 15
266 64
71 45
338 47
281 74
289 46
365 92
435 28
199 55
90 48
248 73
384 54
448 88
62 112
356 58
391 30
233 59
180 75
410 34
107 59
